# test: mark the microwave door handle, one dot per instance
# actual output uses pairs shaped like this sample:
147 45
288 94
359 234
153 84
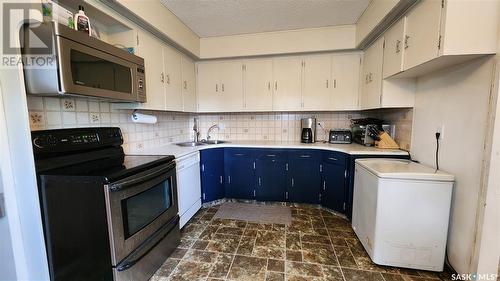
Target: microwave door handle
136 180
131 260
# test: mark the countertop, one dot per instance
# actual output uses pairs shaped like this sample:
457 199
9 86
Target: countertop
352 149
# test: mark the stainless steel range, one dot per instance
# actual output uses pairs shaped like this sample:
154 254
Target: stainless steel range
106 216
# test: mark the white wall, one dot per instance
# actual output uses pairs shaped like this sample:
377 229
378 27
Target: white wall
279 42
457 98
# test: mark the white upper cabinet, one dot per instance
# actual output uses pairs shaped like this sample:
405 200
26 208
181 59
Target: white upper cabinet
439 34
345 81
220 86
150 48
383 93
394 49
258 85
172 79
317 83
372 75
188 85
422 33
287 74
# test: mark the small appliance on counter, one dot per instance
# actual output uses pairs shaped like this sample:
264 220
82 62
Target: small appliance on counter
340 136
364 130
308 130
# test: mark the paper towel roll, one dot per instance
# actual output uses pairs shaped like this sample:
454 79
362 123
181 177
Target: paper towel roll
143 118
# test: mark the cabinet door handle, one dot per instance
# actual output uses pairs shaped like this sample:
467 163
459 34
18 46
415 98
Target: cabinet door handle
293 182
220 179
269 86
324 185
334 83
216 87
276 85
222 87
327 83
260 181
168 79
228 179
162 77
286 166
185 85
407 38
398 46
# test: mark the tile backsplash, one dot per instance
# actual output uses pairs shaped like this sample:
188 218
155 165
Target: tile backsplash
69 112
270 126
56 113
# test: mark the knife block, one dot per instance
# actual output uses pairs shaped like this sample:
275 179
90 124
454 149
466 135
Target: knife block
386 142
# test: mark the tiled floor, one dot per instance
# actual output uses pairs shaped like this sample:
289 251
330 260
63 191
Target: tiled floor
316 246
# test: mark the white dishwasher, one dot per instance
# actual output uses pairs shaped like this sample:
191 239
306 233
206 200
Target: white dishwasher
188 186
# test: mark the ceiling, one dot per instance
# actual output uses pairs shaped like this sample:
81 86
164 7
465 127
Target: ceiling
209 18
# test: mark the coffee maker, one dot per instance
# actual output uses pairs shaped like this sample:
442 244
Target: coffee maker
308 130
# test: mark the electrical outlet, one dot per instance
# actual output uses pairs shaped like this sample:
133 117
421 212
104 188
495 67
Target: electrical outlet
440 130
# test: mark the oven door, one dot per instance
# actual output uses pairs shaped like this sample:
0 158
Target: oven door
138 206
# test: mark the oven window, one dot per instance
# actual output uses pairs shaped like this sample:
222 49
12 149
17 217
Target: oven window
143 208
98 73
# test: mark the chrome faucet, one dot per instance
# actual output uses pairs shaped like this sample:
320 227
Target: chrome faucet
196 130
214 126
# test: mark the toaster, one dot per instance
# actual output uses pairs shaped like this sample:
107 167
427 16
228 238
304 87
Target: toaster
340 136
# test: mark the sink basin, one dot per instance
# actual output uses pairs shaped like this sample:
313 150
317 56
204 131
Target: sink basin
190 144
213 141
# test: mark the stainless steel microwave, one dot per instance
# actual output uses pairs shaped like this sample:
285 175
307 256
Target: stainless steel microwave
81 65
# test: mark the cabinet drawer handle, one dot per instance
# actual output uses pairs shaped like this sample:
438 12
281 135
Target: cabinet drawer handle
305 156
271 155
407 38
333 159
239 154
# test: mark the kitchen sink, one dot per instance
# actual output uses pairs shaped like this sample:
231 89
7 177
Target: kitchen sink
190 143
213 141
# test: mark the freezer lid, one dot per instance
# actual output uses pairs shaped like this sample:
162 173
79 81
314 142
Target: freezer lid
403 169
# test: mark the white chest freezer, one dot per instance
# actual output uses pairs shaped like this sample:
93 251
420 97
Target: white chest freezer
401 211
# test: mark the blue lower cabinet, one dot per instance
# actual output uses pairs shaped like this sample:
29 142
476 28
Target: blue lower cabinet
270 173
212 174
334 187
240 173
304 176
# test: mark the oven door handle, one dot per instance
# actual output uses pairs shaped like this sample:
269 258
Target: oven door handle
131 181
141 252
